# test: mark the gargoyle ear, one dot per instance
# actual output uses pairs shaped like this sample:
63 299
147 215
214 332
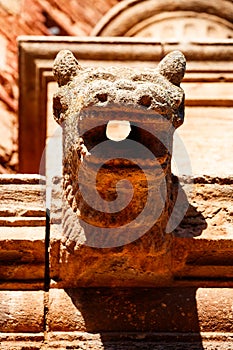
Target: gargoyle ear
65 67
173 66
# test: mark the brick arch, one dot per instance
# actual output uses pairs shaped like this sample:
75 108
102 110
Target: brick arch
176 19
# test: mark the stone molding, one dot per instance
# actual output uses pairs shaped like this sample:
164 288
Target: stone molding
95 318
22 231
131 17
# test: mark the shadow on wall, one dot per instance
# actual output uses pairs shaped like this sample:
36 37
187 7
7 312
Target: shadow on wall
185 212
141 318
145 318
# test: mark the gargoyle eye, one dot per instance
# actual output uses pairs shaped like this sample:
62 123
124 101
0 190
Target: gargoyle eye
57 107
60 107
102 97
145 100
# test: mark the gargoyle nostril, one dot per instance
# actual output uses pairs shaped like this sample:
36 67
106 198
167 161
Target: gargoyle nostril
102 97
145 100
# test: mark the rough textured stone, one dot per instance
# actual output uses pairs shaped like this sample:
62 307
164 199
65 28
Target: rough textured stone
22 231
201 253
201 247
121 345
22 311
139 341
153 105
156 310
155 258
71 315
88 99
22 341
119 85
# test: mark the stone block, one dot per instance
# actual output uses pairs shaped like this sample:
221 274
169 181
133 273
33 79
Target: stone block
145 341
63 314
22 311
131 310
22 231
22 341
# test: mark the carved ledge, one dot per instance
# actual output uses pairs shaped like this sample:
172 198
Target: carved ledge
22 231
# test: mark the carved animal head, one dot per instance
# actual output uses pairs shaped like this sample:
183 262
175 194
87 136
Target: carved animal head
158 90
147 104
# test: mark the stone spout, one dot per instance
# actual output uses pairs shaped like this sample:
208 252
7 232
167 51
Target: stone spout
118 125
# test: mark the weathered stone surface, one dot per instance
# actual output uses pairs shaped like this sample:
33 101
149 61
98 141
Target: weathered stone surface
156 310
20 341
84 106
116 341
120 85
22 231
152 103
22 311
63 314
22 257
119 318
96 343
200 250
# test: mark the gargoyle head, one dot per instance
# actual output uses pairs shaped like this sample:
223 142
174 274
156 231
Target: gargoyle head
132 113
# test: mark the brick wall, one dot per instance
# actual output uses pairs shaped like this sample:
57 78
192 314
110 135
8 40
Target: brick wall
34 17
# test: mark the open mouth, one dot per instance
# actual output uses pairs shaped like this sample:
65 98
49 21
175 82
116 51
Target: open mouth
126 133
140 154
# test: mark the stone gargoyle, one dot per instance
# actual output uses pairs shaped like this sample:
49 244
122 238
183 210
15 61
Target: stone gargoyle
118 125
